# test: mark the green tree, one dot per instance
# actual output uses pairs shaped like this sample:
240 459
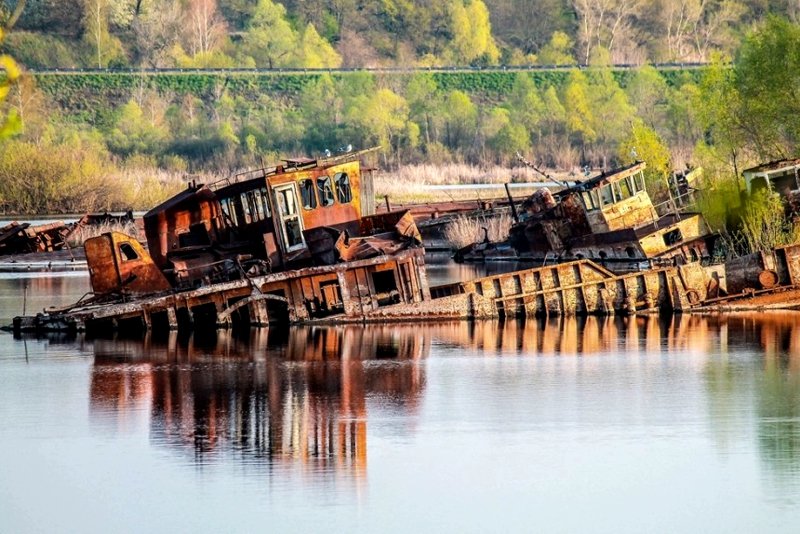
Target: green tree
578 111
718 105
472 33
460 119
423 97
650 95
558 51
10 123
314 52
766 75
269 38
612 113
96 20
505 136
643 144
554 114
525 103
134 133
322 110
382 118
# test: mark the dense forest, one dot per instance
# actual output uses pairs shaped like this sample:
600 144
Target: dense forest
364 33
110 140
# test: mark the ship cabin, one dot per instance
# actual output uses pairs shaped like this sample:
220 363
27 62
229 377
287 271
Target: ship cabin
286 216
781 176
611 217
616 200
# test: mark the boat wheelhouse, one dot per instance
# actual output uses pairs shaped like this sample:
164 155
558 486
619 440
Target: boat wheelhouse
301 213
612 218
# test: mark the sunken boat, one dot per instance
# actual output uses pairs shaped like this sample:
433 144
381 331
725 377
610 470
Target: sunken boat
297 243
609 218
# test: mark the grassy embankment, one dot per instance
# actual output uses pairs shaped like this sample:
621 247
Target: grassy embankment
72 164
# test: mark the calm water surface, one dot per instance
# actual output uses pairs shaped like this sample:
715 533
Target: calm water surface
688 424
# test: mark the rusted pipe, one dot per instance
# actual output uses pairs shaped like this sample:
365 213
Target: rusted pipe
511 203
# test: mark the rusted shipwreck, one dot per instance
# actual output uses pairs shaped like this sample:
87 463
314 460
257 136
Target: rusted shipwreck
26 238
298 243
394 287
21 238
609 218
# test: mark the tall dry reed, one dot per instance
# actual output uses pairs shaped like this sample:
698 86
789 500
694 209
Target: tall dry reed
463 231
79 236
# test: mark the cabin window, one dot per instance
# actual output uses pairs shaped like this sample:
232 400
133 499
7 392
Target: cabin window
325 191
589 201
606 195
294 235
307 193
287 210
638 182
673 237
623 189
263 203
254 205
229 210
247 208
342 183
127 253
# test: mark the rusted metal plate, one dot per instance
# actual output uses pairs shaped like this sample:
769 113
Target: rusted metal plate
16 238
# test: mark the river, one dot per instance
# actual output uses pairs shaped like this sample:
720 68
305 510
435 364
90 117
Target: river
672 424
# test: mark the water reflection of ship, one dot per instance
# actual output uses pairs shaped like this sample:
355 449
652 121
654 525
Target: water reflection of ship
579 335
301 401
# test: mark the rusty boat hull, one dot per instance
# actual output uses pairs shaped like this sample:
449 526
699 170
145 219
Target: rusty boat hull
395 288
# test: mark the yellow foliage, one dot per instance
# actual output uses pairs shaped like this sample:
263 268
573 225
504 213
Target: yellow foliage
472 32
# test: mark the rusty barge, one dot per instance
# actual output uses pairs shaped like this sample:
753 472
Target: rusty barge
300 243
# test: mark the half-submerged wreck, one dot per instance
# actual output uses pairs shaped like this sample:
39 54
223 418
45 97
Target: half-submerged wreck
609 218
298 243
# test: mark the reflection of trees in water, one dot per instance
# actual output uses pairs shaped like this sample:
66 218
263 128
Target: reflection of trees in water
773 396
767 386
302 402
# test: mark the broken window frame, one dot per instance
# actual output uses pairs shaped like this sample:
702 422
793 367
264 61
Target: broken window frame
638 182
325 191
228 206
341 183
623 189
247 208
607 191
590 201
672 237
308 193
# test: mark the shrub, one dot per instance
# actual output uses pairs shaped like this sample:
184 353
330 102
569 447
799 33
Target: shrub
36 50
62 178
